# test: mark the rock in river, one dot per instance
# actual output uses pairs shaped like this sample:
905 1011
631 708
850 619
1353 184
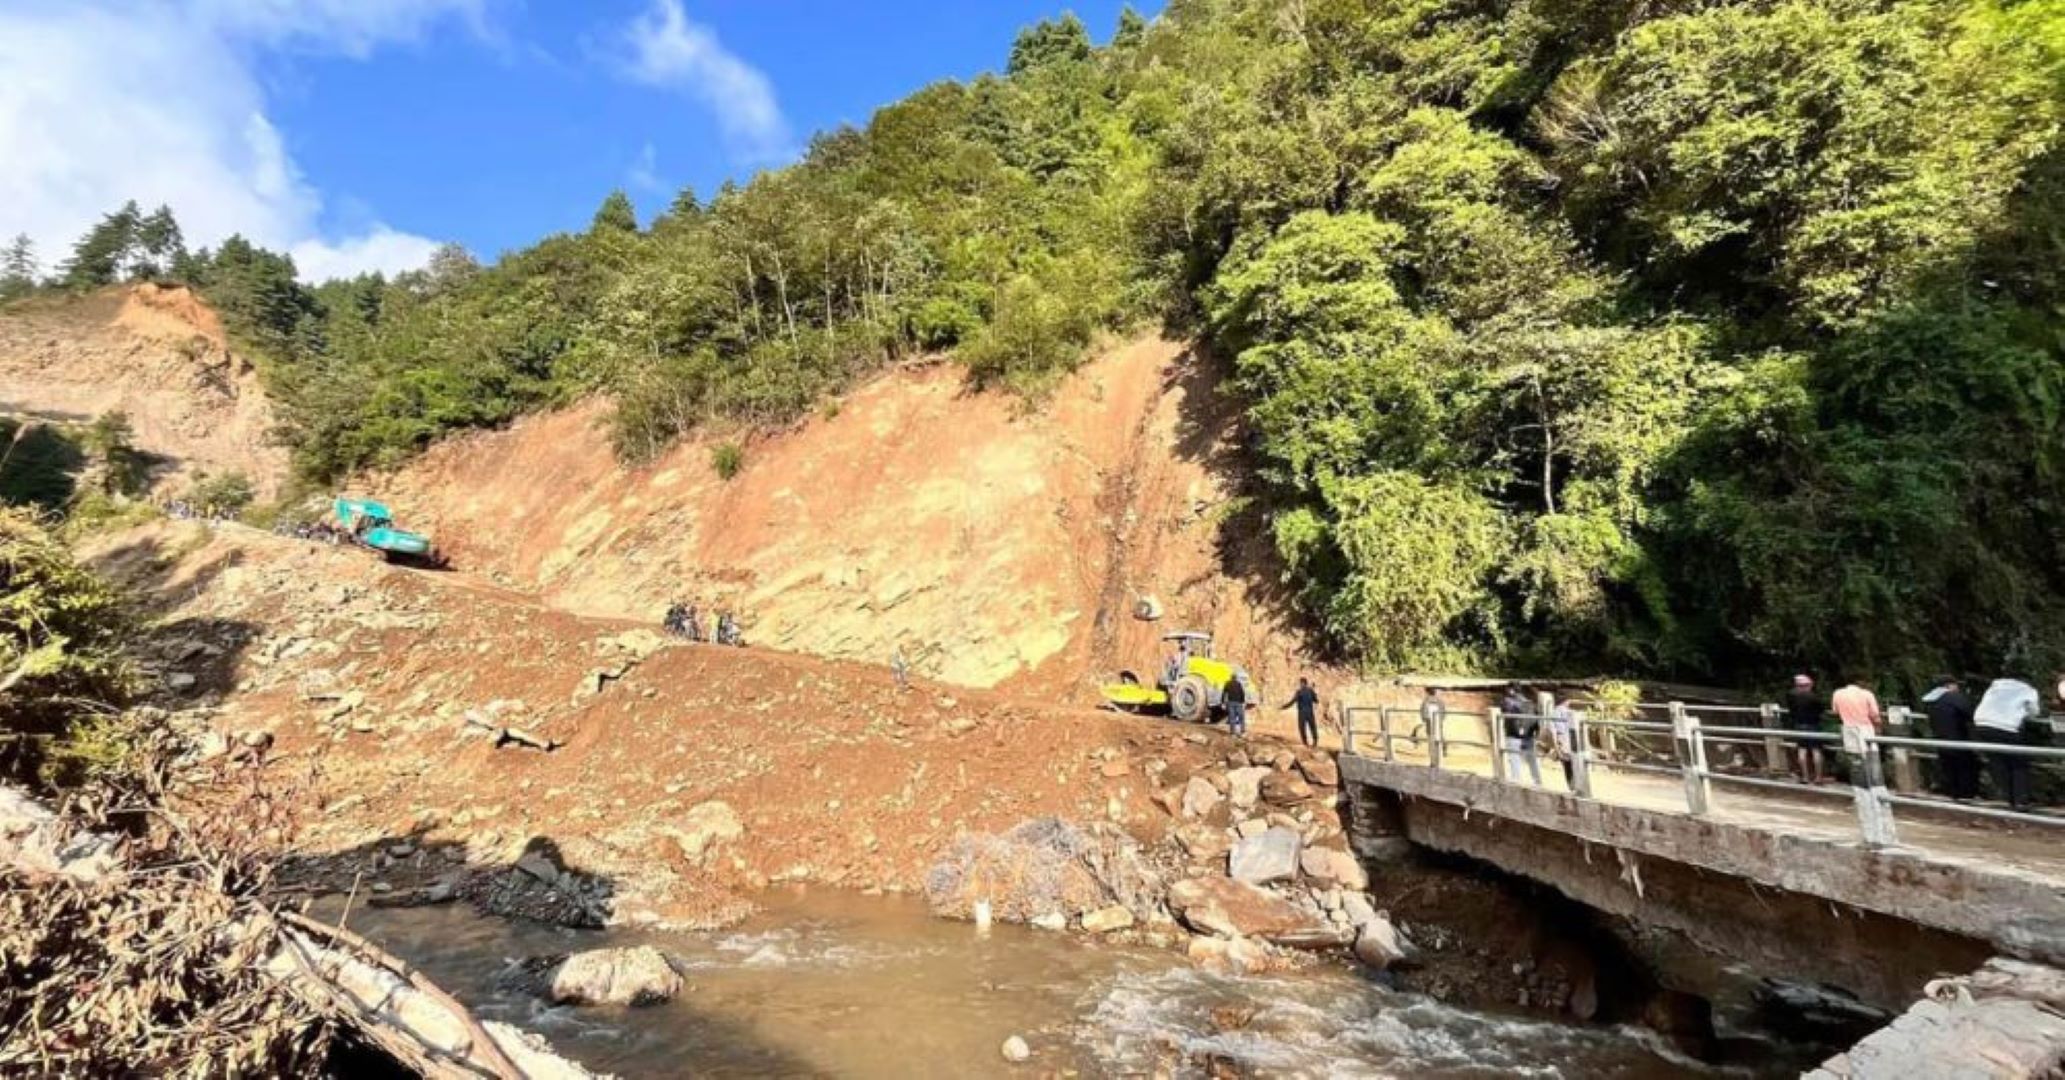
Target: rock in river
1229 908
638 976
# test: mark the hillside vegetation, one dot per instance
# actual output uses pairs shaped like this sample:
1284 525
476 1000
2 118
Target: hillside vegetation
1675 337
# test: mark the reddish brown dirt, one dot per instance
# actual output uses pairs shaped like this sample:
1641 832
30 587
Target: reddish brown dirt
1001 543
158 355
837 776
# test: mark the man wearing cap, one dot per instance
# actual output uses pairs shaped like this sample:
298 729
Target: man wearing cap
1803 713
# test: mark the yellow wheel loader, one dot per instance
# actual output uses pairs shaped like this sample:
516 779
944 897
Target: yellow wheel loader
1190 690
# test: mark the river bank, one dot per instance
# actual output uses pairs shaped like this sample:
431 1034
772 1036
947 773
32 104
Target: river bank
826 982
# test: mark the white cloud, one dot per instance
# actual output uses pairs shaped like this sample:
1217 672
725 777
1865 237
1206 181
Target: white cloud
383 249
109 100
667 49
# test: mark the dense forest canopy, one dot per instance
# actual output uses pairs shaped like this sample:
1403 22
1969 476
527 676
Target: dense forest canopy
1687 337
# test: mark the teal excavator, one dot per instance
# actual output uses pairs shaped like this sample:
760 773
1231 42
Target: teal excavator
372 524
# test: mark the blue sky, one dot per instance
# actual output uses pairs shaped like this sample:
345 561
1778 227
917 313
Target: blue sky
359 133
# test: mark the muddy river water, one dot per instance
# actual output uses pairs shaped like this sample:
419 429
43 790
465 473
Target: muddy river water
834 984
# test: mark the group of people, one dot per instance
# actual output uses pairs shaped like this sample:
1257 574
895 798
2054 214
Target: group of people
1305 699
181 510
320 532
1521 722
686 621
2006 714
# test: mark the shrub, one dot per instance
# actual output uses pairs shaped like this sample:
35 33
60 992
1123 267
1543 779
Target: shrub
228 493
727 458
60 633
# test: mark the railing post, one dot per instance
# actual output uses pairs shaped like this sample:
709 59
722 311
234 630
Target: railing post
1774 747
1907 772
1435 735
1390 738
1580 757
1495 726
1868 789
1692 758
1347 729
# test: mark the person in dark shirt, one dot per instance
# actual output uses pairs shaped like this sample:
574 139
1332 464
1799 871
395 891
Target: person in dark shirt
1803 709
1307 701
1950 718
1236 699
1522 730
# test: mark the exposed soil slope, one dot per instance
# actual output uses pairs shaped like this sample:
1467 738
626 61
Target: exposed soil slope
998 542
367 674
157 354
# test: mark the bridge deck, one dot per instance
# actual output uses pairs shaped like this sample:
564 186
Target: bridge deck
1826 813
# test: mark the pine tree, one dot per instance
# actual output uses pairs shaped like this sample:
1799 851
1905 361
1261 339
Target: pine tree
1132 29
18 268
615 213
159 246
99 256
1050 41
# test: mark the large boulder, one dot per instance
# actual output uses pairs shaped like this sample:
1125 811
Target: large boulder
1380 944
1199 797
1229 908
1332 866
706 827
638 976
1285 789
1245 785
1271 855
1324 772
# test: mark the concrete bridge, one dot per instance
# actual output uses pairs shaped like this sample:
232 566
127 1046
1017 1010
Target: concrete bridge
1675 824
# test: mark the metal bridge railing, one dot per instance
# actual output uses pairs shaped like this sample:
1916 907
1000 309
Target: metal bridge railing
1675 739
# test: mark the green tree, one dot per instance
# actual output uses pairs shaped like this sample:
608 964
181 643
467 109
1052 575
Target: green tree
159 248
100 256
1132 29
1050 41
19 271
616 212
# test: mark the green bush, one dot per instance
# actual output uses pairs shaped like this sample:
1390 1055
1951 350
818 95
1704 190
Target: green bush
225 493
727 458
61 632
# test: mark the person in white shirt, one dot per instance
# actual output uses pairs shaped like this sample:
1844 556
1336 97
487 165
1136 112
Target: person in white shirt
2002 715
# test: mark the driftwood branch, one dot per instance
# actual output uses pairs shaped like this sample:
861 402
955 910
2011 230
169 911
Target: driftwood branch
483 1058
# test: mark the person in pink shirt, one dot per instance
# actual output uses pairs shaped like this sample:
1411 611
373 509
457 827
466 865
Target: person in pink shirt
1856 706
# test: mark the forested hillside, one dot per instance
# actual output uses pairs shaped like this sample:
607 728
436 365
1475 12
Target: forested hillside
1674 337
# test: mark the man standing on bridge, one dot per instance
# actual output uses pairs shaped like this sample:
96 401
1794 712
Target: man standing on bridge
1522 727
2002 716
1950 719
1307 701
1857 706
1803 713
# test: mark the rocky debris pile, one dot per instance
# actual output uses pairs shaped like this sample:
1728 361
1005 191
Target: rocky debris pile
1049 872
541 888
634 976
1253 863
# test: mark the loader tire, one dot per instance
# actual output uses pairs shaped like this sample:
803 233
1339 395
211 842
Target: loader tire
1190 700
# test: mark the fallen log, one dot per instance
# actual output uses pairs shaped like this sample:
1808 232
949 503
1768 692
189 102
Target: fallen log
505 735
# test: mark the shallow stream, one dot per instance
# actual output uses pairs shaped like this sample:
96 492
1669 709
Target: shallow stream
835 984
